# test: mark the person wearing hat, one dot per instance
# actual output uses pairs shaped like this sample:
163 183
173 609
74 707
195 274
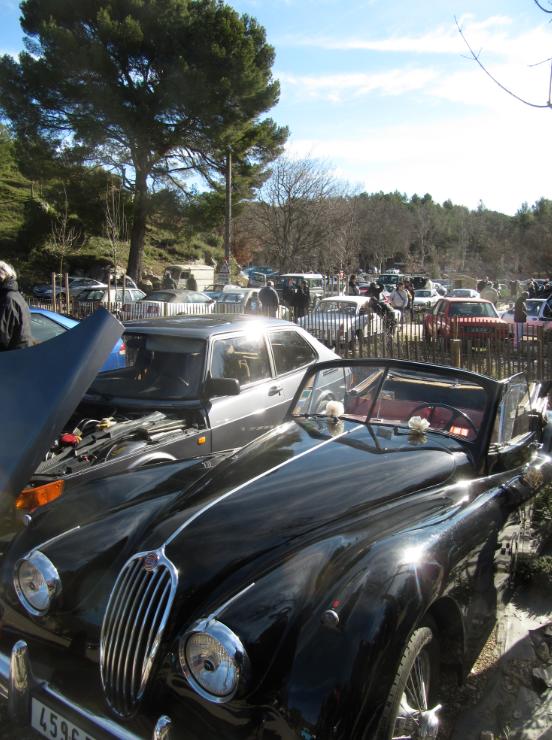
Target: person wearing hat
15 317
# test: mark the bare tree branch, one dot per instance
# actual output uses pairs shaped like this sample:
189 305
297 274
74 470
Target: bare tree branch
544 10
500 85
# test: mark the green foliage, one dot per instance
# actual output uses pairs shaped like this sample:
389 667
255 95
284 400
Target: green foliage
542 515
534 569
157 88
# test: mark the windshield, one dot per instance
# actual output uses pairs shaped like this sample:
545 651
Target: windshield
336 307
157 367
473 309
422 294
393 396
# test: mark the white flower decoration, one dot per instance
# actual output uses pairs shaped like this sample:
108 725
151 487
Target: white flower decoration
334 408
417 424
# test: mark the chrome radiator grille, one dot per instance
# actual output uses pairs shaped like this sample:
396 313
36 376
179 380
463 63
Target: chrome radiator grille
133 626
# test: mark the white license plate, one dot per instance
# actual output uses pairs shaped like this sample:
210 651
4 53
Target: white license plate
54 725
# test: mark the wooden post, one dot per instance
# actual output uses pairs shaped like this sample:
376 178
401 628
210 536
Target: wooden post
456 352
540 354
66 278
54 297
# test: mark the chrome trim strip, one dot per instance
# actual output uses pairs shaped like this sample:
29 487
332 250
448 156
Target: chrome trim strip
46 543
226 495
226 604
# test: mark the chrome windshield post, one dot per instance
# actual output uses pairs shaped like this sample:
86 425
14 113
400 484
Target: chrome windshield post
19 683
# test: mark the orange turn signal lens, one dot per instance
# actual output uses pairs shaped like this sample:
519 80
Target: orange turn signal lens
31 498
201 440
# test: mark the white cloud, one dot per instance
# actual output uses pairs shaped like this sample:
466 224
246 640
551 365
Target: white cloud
467 160
338 87
492 36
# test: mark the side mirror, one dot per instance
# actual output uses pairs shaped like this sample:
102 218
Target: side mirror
222 387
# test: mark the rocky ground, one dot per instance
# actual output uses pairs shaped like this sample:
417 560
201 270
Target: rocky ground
508 695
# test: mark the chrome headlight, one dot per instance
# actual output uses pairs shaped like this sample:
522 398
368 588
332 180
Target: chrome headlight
213 660
36 582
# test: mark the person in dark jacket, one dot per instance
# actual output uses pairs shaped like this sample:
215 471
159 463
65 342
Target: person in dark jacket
15 317
520 317
302 300
269 299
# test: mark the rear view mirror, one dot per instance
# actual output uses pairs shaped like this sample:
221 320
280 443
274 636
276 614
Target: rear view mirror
222 387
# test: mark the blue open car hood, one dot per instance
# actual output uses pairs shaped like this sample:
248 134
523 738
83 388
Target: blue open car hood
41 387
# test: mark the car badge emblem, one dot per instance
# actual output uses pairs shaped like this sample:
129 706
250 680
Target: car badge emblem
151 561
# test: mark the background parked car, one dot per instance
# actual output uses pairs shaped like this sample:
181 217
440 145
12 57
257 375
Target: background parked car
539 313
47 325
244 300
91 298
190 386
168 302
340 320
277 587
463 293
425 299
474 318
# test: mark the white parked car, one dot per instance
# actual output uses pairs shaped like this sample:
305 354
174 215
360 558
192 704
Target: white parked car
425 299
339 320
244 300
539 313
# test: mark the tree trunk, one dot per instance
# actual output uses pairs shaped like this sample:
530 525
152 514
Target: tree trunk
139 218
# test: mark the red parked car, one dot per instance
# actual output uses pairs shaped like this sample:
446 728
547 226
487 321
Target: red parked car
476 318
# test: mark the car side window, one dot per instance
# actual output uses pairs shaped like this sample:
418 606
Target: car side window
43 328
290 351
243 358
513 418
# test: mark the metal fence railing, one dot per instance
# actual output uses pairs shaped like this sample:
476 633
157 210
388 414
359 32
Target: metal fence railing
495 353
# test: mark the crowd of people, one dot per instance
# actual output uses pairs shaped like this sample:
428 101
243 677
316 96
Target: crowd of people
295 295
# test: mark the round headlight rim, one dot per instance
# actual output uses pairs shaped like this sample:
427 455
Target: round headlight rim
232 645
49 573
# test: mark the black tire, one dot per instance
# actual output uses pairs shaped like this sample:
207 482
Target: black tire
402 708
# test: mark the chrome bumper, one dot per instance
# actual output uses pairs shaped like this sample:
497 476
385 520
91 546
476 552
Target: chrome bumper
17 683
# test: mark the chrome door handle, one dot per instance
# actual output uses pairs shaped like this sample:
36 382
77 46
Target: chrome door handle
275 390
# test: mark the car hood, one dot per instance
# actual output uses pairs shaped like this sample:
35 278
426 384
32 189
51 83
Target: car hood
297 484
41 387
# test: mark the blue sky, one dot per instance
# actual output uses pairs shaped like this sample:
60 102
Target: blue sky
386 95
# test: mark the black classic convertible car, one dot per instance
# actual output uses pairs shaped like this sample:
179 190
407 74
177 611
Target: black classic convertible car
318 583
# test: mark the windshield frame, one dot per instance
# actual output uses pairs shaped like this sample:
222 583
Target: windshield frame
490 386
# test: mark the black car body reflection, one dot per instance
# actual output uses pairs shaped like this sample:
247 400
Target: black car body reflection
298 588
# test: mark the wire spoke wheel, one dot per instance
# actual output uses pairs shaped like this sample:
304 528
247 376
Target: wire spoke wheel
410 713
414 701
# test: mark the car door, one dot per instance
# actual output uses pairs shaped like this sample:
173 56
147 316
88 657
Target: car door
236 420
291 355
